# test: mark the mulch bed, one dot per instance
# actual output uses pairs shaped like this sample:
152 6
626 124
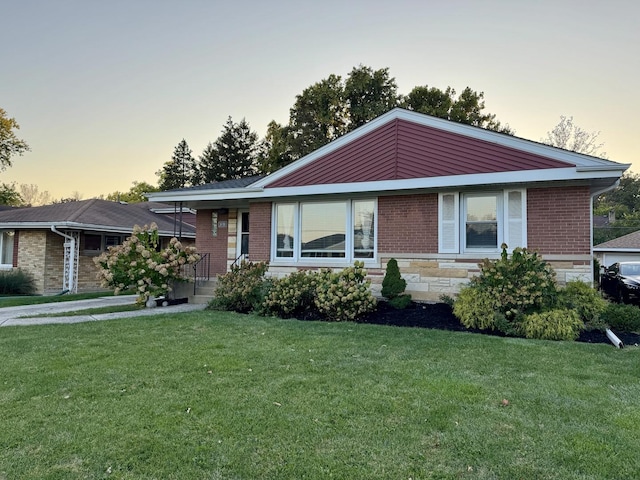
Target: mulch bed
439 316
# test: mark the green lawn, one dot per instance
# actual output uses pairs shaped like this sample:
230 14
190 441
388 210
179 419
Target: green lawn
213 395
39 299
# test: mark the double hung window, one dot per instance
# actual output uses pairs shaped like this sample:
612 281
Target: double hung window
481 222
323 231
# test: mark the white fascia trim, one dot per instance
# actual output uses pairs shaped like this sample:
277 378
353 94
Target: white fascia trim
617 249
172 210
572 158
80 226
199 195
448 182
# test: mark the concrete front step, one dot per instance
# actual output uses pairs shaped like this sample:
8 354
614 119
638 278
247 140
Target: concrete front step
203 292
200 299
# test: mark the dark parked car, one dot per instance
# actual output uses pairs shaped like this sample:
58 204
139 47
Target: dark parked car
622 281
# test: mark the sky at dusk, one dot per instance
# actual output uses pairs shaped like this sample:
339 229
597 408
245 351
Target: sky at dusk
104 90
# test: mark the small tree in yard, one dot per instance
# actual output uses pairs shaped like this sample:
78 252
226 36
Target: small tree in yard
139 264
393 286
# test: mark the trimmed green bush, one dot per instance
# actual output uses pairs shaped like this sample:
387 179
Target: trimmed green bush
523 283
16 282
344 295
242 289
622 317
292 295
507 289
559 324
585 300
393 286
475 309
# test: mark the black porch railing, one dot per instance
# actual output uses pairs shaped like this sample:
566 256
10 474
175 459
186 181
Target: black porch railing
201 271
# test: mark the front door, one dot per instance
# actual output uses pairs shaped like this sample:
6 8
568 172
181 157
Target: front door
243 234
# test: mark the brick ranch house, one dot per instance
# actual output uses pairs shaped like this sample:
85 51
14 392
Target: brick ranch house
436 195
57 243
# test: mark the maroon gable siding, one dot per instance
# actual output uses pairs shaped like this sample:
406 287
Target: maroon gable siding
402 150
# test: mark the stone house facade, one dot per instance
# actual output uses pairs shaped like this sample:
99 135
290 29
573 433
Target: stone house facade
38 239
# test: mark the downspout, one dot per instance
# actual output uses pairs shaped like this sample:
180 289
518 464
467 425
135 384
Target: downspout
594 195
72 257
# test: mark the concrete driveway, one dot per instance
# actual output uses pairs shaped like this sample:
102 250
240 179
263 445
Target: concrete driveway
23 315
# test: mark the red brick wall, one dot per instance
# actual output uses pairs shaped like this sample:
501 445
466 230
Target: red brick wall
216 247
408 224
558 220
260 232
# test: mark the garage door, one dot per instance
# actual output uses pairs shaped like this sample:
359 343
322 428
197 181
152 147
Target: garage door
611 258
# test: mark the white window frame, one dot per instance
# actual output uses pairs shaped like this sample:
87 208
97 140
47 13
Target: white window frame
511 219
297 234
11 233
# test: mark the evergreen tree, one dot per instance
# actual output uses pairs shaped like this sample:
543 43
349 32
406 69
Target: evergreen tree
181 171
235 154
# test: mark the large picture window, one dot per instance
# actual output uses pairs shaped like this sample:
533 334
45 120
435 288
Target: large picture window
340 230
480 222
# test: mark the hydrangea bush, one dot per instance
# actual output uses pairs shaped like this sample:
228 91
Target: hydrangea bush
139 264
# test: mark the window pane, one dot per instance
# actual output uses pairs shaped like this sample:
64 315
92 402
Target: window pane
284 230
323 229
482 235
482 209
93 242
6 256
482 221
363 229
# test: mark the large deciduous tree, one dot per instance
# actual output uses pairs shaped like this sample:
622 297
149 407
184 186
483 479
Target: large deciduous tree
570 136
180 171
32 196
135 193
332 107
10 144
318 116
10 196
369 94
235 154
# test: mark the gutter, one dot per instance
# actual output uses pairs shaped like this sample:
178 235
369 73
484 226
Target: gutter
70 280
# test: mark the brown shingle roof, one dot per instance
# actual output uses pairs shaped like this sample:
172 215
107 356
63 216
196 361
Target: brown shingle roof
94 214
631 240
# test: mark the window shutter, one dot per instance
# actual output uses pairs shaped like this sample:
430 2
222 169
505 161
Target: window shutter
448 223
515 234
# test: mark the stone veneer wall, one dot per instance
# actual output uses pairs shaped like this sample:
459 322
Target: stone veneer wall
31 255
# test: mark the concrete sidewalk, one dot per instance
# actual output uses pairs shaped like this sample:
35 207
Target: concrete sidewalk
23 315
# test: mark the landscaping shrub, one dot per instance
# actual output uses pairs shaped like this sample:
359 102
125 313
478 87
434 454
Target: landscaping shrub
475 309
393 286
16 282
292 295
584 299
344 295
138 264
507 289
622 317
558 324
523 283
242 289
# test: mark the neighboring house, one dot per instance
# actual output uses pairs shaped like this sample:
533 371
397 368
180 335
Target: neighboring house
436 195
621 249
57 243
